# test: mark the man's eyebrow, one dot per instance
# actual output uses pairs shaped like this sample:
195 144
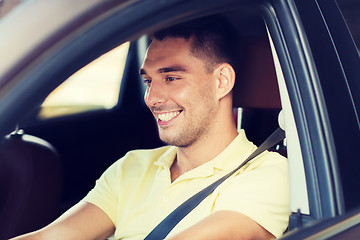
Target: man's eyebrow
175 68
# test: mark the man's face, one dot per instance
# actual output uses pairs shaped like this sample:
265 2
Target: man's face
180 91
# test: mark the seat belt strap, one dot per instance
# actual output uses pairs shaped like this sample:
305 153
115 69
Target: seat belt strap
166 225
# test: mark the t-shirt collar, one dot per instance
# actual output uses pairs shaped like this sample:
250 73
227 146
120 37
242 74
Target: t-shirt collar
231 157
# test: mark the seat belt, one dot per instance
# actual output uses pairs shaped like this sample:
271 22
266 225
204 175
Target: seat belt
166 225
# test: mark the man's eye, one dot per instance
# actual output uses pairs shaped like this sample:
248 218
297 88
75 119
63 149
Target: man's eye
170 79
147 82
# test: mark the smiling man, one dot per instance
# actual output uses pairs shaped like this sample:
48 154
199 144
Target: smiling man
189 73
184 96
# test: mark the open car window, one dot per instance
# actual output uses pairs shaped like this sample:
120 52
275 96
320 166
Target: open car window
295 44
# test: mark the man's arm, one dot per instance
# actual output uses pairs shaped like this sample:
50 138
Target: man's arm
83 221
224 225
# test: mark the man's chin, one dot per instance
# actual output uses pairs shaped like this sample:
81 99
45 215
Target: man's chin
168 140
175 141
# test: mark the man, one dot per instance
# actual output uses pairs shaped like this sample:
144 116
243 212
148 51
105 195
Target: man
189 75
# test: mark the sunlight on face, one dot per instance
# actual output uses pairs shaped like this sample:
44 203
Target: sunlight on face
180 91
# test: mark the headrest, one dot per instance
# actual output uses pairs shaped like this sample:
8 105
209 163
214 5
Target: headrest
256 83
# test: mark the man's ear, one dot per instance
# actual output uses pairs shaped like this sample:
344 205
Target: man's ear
225 79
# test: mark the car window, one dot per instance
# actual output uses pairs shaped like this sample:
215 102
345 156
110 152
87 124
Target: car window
95 86
350 10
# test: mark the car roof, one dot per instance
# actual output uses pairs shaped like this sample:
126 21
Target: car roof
48 21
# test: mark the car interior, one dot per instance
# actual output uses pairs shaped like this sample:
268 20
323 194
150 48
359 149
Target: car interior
49 164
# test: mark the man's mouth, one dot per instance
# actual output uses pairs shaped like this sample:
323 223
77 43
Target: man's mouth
167 117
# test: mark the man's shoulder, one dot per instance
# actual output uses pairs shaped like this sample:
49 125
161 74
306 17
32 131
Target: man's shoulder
271 157
272 161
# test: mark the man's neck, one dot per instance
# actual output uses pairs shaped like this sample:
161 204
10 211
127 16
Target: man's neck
200 152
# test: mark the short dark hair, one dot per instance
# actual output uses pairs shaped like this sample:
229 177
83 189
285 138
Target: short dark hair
215 39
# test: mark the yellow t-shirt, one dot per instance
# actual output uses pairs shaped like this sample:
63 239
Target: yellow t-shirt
136 191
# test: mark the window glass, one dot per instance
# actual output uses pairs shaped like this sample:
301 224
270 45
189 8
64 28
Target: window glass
95 86
351 12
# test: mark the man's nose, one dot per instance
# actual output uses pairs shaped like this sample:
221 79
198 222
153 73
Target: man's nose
155 94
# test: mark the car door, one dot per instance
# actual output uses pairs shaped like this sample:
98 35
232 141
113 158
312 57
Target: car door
315 45
331 29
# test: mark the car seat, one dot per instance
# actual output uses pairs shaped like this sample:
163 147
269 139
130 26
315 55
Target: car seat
256 97
30 184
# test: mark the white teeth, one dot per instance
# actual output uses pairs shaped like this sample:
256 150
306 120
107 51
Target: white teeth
167 116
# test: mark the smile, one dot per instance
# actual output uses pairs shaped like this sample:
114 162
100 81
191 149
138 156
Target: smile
168 116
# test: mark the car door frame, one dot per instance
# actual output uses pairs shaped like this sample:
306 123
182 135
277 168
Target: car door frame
302 39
